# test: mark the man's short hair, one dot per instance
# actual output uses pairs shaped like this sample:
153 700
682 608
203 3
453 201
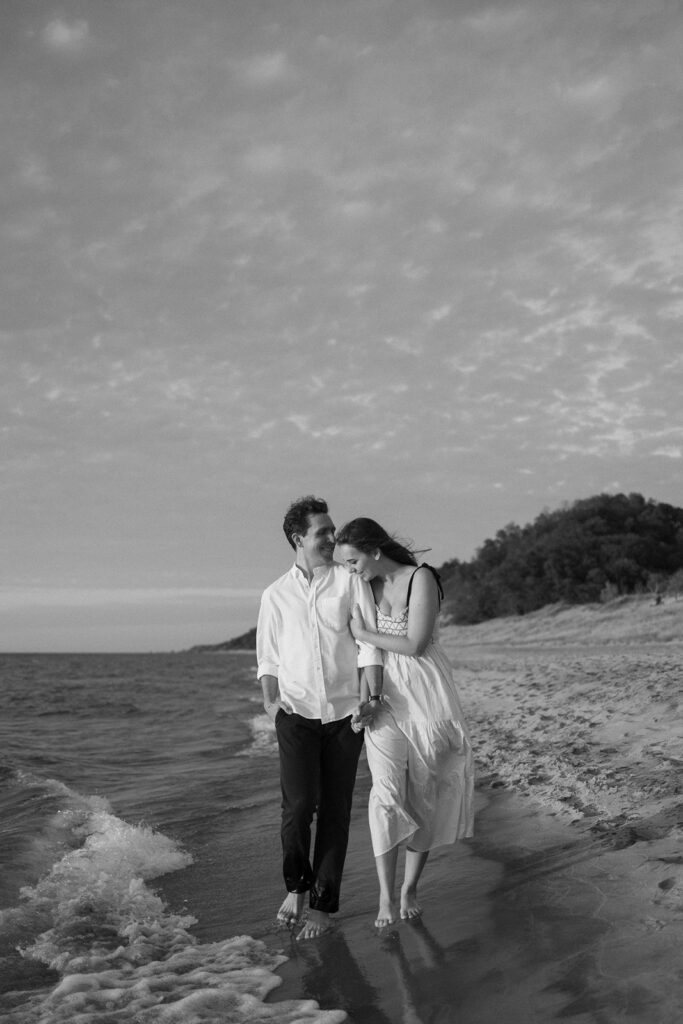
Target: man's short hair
297 516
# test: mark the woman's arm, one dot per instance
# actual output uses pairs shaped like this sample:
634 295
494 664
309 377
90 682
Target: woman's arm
370 681
422 613
370 684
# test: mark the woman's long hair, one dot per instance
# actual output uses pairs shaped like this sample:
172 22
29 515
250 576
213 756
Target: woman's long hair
368 536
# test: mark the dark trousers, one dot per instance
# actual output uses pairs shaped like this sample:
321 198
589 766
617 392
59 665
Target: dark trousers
317 772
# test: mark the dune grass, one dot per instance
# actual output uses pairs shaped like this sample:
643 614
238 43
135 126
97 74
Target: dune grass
626 620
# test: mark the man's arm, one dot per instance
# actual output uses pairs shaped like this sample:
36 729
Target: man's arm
369 659
362 598
271 696
268 660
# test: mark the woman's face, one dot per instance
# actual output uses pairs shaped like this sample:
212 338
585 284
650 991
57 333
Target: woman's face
356 561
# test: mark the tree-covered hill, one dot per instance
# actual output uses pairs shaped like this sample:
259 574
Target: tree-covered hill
245 642
592 550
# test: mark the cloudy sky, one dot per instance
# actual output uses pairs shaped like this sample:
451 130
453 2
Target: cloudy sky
421 257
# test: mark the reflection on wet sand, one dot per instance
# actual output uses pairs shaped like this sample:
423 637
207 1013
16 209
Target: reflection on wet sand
427 977
332 976
530 922
413 979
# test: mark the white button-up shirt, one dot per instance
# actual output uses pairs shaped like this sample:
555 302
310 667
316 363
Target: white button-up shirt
303 638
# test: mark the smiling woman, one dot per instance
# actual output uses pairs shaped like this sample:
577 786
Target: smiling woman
418 746
362 540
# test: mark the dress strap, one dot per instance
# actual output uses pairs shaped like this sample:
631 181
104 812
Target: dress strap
434 574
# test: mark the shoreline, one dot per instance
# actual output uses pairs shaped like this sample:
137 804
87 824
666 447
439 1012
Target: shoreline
531 920
568 900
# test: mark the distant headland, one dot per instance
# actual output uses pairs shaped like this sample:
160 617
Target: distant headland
245 642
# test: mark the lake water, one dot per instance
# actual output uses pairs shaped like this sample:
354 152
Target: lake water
117 770
139 846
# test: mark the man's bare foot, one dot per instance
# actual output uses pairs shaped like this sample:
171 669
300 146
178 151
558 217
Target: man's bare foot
292 908
409 906
317 924
386 914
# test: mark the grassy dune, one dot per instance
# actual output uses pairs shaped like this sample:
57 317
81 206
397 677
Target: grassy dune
627 620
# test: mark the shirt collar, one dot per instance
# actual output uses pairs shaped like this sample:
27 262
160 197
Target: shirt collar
319 571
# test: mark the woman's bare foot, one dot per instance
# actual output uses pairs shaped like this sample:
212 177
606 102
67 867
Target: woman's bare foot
290 912
386 914
409 906
317 924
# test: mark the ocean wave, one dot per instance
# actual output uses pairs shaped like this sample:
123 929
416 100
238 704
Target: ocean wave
204 984
263 736
94 886
119 951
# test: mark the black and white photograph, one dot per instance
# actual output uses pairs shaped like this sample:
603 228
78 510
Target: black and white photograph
341 590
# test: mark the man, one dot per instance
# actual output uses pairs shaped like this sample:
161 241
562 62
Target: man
312 673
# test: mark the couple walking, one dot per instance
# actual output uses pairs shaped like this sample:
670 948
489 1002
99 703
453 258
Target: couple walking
348 651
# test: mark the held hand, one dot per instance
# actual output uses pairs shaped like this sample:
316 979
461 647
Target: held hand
361 717
365 715
357 721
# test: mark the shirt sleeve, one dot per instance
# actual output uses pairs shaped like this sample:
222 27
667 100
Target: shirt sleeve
267 654
361 595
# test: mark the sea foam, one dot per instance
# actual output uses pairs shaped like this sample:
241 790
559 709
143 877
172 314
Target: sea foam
263 736
121 954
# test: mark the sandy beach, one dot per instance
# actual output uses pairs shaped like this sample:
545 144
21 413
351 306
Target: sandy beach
568 903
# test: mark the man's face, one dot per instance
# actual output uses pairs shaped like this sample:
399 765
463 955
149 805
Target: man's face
316 546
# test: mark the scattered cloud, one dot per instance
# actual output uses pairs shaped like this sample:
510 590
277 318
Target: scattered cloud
404 346
266 158
435 316
432 254
68 37
302 423
266 69
670 452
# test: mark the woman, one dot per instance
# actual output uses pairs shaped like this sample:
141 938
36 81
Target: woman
417 742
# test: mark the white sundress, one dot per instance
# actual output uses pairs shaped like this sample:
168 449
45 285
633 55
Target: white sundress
419 751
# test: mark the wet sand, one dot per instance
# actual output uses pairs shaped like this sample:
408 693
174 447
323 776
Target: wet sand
568 903
530 922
